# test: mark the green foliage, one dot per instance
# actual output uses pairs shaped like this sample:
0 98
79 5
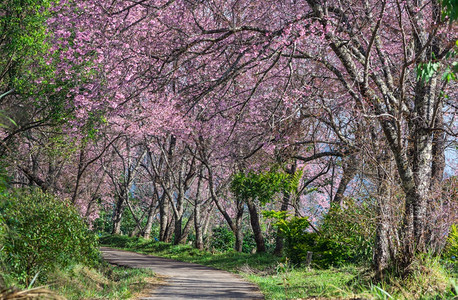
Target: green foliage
350 230
299 241
346 235
24 46
450 9
4 177
294 229
425 71
101 282
451 249
222 240
249 242
264 185
103 224
43 233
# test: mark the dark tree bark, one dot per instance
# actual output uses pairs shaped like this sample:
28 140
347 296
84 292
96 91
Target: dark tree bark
257 231
350 169
117 215
197 215
151 214
238 227
186 230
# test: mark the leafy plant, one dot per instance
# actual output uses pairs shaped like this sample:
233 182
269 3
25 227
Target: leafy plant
297 240
264 185
451 248
350 230
43 233
222 239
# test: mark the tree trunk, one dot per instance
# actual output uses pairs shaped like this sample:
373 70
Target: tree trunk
178 216
198 228
150 219
207 225
238 227
349 171
117 216
382 251
164 217
169 229
254 219
187 228
177 231
434 236
197 217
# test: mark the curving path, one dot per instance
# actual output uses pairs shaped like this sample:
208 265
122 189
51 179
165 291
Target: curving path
185 280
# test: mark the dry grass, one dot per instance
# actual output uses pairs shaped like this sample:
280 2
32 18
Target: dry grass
152 283
35 293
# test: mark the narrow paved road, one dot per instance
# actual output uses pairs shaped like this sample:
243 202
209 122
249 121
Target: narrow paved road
186 280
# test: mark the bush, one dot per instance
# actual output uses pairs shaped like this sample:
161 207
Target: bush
249 243
294 230
42 233
450 253
222 240
346 235
350 230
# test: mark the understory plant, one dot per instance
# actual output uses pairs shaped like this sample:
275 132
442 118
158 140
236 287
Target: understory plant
41 233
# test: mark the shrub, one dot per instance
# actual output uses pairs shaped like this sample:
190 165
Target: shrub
346 235
294 229
43 233
350 230
222 240
450 253
249 243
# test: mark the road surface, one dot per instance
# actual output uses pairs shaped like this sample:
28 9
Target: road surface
185 280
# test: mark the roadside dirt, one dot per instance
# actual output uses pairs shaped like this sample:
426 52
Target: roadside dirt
180 280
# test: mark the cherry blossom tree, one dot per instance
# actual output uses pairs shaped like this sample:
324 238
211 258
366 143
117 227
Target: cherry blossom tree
236 85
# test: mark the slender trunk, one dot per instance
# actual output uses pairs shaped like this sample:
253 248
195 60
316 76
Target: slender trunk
150 219
197 216
383 246
187 228
78 174
117 215
177 230
164 219
207 225
178 216
238 227
169 229
434 236
349 171
254 219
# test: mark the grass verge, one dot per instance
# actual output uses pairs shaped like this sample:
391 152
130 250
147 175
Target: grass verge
79 282
104 282
278 280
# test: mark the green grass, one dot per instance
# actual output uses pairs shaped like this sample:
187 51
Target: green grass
78 281
303 283
105 282
278 280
